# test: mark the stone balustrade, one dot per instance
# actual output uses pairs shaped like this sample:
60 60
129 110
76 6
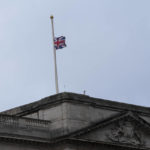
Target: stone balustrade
8 120
24 128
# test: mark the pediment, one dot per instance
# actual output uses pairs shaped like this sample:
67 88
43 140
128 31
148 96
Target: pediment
126 129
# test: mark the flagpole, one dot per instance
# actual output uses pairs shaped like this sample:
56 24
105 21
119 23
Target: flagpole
55 63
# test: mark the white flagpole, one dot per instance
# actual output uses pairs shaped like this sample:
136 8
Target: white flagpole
54 50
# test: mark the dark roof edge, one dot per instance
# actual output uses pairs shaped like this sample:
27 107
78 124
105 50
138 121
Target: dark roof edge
76 98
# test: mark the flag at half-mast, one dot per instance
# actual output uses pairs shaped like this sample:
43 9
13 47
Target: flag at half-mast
59 42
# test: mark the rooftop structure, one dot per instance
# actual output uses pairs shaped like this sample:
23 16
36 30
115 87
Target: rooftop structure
69 121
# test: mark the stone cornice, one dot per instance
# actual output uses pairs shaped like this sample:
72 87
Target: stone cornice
103 123
75 98
115 145
30 134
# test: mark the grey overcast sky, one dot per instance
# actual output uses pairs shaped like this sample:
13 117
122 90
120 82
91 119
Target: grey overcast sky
107 53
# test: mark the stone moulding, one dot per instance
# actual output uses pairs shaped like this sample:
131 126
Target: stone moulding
74 98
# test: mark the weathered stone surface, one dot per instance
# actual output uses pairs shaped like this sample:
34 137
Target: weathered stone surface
24 128
67 121
121 129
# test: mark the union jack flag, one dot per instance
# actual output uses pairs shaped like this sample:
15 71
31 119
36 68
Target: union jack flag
59 42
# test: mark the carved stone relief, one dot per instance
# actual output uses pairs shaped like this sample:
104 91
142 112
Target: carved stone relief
125 131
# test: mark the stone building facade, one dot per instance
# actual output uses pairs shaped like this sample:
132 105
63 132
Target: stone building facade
69 121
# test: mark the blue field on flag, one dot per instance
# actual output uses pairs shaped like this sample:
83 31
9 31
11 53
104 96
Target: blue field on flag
59 42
